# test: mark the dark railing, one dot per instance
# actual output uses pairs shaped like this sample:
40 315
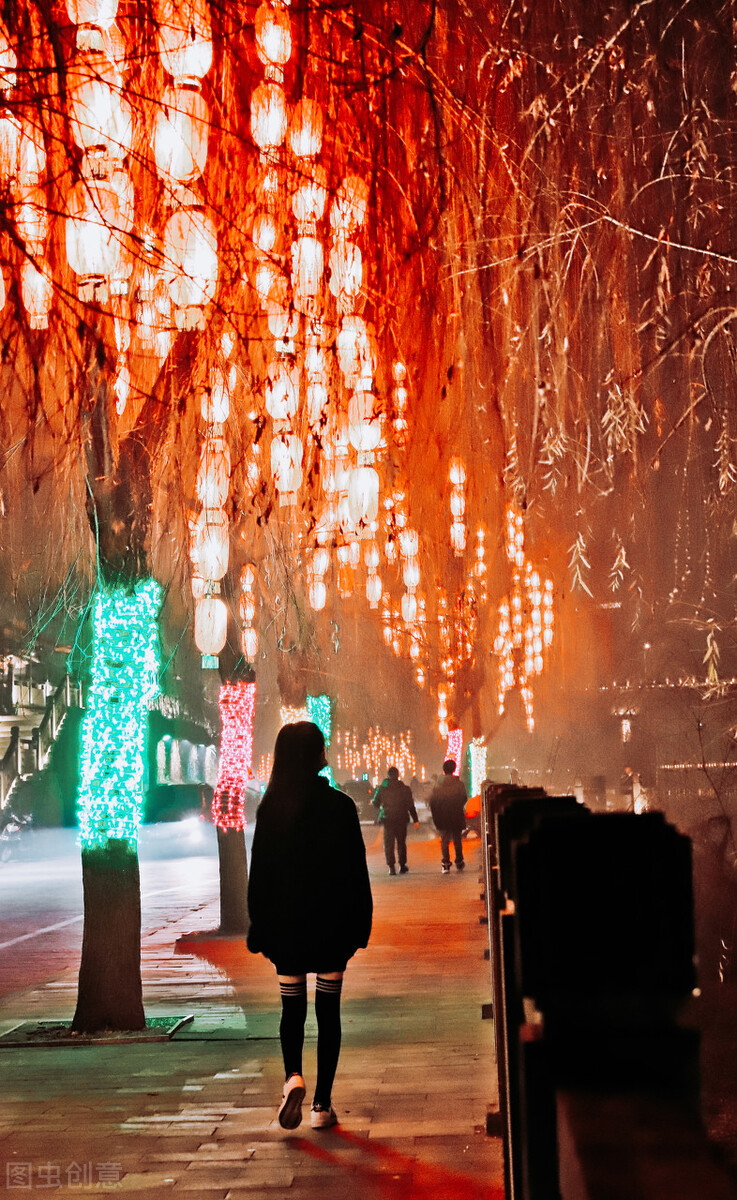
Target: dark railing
592 961
10 766
25 756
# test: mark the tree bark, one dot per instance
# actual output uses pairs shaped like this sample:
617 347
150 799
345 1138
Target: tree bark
233 880
110 991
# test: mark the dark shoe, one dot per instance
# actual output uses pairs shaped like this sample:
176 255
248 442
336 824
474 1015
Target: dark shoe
461 866
290 1110
403 870
392 871
446 870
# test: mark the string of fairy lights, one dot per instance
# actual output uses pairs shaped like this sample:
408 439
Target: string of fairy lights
125 677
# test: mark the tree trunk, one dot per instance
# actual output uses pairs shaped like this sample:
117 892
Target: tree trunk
110 993
233 880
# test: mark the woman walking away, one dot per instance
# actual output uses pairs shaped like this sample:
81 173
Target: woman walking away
310 906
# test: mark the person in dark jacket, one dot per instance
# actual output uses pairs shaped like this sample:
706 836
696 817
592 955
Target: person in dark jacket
310 906
396 808
448 808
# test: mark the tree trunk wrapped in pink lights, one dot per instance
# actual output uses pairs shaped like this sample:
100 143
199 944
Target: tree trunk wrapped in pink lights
237 704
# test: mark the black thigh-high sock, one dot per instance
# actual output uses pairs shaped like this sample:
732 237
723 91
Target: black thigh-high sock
327 1011
292 1025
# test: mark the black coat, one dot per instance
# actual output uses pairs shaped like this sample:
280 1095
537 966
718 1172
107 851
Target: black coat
309 896
448 803
396 800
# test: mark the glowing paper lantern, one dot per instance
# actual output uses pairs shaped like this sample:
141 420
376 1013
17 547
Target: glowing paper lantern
409 608
307 270
32 220
282 390
210 625
271 287
268 116
409 542
249 643
180 135
273 35
265 231
191 270
305 131
36 292
215 400
411 573
237 703
100 13
125 668
363 495
457 472
318 595
8 61
10 136
346 269
213 475
317 397
100 119
210 545
310 197
184 38
93 228
373 589
354 352
348 210
364 428
32 156
286 463
458 534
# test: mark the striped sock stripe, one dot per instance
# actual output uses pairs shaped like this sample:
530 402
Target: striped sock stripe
294 989
329 986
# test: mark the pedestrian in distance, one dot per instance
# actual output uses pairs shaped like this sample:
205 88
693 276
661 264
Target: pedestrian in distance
448 801
396 808
310 907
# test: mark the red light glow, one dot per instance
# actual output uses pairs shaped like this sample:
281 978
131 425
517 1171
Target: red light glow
237 704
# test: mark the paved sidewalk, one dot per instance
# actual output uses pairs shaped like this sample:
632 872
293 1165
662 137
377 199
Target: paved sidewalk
196 1117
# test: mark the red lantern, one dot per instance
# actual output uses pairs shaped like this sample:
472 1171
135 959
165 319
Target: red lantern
213 475
99 116
180 135
36 293
100 13
268 116
305 131
273 35
286 464
10 135
184 37
210 625
191 270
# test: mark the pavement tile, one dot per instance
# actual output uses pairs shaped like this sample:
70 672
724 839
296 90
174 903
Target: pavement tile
195 1117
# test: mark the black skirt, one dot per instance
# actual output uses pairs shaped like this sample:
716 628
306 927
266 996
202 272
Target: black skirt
291 968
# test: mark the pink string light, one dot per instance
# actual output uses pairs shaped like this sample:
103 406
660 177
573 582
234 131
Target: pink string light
237 706
455 748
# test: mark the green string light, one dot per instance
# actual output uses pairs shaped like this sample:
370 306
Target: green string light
125 677
320 709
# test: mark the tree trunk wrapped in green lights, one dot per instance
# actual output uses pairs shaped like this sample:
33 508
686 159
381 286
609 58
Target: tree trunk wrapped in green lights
125 670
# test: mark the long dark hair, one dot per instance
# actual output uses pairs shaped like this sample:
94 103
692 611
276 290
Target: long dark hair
298 758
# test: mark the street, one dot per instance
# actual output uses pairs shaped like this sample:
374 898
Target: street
41 894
